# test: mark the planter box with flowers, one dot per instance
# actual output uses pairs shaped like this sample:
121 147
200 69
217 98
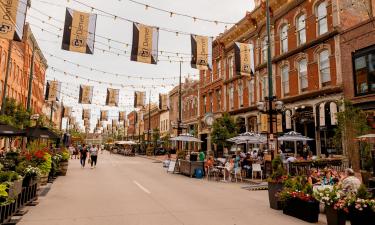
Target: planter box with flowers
330 197
63 162
361 207
275 183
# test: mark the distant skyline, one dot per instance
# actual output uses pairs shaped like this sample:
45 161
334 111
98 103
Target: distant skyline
117 29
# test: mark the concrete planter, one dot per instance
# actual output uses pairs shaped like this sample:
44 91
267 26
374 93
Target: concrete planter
43 180
15 189
273 189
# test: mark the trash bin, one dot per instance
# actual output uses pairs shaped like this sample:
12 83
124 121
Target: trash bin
198 173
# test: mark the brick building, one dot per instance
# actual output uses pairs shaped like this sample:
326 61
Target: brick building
173 111
155 119
358 66
190 97
18 82
306 59
132 123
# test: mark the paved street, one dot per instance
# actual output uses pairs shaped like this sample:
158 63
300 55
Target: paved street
137 191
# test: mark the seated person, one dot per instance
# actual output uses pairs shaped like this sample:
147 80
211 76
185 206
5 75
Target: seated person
328 178
313 179
349 182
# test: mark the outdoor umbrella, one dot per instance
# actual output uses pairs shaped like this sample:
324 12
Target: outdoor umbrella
41 132
294 136
366 136
248 138
186 138
10 131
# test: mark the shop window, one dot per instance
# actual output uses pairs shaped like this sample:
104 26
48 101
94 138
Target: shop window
364 71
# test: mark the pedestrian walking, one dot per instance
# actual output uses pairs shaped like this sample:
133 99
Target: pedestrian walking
71 151
83 155
94 155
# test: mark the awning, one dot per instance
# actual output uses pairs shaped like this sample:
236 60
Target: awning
10 131
41 132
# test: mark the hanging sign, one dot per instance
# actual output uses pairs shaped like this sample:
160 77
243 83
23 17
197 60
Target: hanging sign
86 122
12 19
201 51
86 114
139 99
264 123
145 44
279 121
163 101
52 90
85 94
112 97
79 31
103 115
242 53
121 115
67 111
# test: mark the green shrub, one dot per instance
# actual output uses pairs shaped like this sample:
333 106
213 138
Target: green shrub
8 176
46 166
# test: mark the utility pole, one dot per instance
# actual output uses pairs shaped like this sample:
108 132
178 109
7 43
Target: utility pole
149 120
179 128
50 120
9 64
29 94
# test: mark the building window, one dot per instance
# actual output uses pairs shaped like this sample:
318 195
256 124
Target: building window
231 96
324 68
285 80
218 68
284 38
240 93
302 74
211 102
322 18
251 92
301 29
264 86
230 62
204 104
364 71
218 99
264 50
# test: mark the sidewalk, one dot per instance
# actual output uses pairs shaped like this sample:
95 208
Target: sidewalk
159 158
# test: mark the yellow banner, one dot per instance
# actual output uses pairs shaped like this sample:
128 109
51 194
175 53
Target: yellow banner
264 123
79 32
144 44
245 59
8 18
279 123
202 52
53 90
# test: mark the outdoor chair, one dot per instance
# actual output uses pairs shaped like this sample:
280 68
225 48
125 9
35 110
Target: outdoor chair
237 172
257 168
212 172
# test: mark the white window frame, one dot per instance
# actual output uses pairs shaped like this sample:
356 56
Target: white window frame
264 86
205 104
218 68
285 80
322 22
284 38
324 67
251 89
218 99
231 66
302 75
301 29
240 93
264 49
231 96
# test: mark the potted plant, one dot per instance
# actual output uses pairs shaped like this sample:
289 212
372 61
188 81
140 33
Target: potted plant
45 168
298 200
330 197
361 207
30 175
64 162
275 183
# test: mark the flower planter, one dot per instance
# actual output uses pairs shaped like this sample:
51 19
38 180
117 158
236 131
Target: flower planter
305 210
43 180
15 189
335 217
273 189
364 217
63 168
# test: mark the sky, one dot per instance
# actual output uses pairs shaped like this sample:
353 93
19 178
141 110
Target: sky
46 17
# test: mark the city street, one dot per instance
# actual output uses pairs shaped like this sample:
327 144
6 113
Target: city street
135 191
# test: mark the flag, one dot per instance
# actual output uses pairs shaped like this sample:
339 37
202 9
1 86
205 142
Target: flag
163 101
85 94
103 115
243 59
12 19
67 111
121 115
79 31
145 44
112 97
139 99
86 114
201 51
52 90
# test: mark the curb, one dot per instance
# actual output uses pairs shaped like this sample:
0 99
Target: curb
150 158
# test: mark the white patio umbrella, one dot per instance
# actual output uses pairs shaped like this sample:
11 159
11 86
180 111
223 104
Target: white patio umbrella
366 136
249 138
186 138
294 136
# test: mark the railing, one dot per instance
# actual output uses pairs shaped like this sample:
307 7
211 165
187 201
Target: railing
304 167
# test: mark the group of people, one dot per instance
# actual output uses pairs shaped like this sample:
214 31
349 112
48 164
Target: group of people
84 152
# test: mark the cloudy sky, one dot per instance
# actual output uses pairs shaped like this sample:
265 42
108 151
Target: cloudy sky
113 33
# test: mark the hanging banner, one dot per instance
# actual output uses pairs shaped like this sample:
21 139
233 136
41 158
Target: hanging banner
86 122
52 91
145 44
121 115
201 51
114 123
163 101
86 114
112 97
242 52
264 123
79 31
103 115
12 19
139 99
85 94
72 120
109 126
67 111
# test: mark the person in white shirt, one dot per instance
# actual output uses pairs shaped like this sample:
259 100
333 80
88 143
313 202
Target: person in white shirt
94 155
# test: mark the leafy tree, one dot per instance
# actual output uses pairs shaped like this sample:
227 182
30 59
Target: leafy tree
155 136
352 122
15 114
223 129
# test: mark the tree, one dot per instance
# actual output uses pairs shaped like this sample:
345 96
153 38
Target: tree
155 136
352 122
15 114
223 129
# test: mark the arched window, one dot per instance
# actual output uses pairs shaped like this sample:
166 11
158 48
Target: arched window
321 14
264 86
284 38
324 68
301 29
231 96
302 74
230 62
285 80
264 49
